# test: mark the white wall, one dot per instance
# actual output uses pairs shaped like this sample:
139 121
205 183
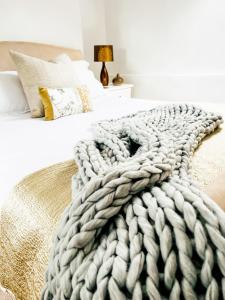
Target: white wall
55 22
70 23
93 28
170 49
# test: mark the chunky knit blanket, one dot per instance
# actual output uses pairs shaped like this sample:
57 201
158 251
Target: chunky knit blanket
138 227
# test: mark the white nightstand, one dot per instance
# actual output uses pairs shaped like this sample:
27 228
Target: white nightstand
123 90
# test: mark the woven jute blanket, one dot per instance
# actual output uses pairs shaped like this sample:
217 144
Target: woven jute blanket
138 227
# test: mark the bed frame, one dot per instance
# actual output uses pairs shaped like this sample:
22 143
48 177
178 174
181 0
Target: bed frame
43 51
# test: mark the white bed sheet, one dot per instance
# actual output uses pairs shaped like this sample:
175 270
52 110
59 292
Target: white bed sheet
28 145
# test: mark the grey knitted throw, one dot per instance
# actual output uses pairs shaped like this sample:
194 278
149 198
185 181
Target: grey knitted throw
138 227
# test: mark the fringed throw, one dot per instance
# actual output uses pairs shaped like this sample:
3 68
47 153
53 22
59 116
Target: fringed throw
138 227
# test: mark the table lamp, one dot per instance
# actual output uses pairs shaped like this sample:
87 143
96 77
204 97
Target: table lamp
103 53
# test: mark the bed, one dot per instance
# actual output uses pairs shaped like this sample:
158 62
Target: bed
36 169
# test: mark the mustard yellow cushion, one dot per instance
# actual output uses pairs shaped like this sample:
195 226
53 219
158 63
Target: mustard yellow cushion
60 102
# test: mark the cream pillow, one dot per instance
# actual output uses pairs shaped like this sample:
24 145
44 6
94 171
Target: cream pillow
60 102
35 73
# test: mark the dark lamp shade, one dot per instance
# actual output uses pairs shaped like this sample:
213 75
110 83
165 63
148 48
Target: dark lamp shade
103 53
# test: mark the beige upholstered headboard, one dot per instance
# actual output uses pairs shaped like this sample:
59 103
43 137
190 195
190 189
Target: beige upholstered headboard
43 51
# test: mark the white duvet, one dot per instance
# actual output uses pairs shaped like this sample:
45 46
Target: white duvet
28 145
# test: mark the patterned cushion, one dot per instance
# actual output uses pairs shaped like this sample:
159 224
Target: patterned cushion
60 102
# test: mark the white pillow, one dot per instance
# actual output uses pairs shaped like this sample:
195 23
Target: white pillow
61 58
86 77
12 97
83 75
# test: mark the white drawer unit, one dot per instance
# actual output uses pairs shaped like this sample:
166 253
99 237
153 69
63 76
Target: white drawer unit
123 90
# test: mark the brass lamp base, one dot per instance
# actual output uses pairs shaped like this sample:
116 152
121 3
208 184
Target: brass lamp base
104 77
